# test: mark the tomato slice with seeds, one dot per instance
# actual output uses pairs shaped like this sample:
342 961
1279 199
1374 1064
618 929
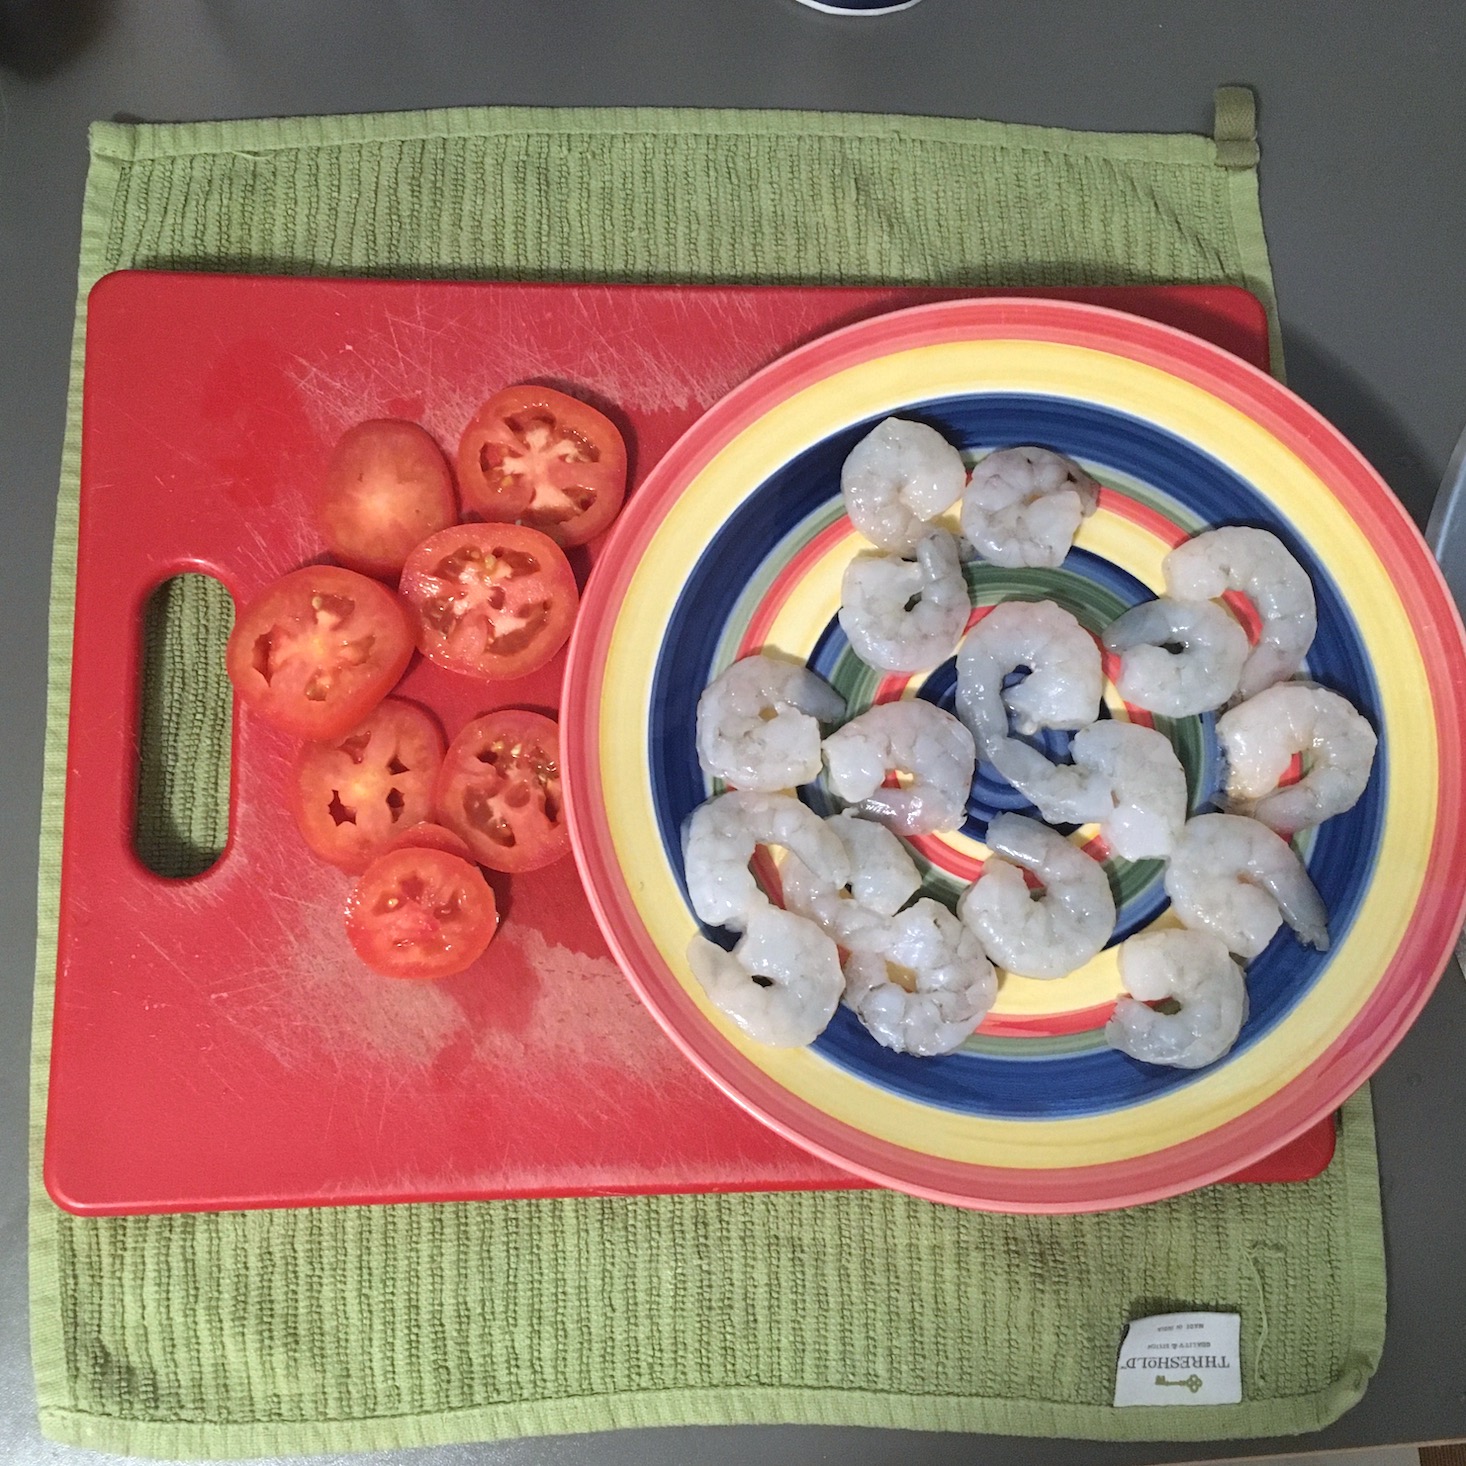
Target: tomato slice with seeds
387 488
536 456
354 793
420 913
427 835
318 649
490 600
499 789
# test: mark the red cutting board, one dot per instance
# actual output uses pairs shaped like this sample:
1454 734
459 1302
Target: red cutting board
217 1045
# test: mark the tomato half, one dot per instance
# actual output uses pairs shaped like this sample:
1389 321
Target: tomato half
420 913
354 793
499 789
491 600
318 649
387 488
429 836
534 456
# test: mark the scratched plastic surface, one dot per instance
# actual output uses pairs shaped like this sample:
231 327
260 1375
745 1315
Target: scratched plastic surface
217 1044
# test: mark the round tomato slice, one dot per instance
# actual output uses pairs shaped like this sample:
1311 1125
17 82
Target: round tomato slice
534 456
491 600
387 488
318 649
420 913
353 794
429 836
499 789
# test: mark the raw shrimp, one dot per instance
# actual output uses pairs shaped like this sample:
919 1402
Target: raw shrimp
1235 878
1024 505
1177 658
915 738
953 983
897 478
1064 794
1258 564
1064 682
758 724
1048 935
1196 970
1124 777
1260 737
1146 784
800 971
720 839
902 615
883 878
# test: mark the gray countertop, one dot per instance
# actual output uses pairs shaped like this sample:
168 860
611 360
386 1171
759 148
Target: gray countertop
1363 128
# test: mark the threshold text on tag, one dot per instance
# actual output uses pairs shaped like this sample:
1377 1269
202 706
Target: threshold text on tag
1181 1359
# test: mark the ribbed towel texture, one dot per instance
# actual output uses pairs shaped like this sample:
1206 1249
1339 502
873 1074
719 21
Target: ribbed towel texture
325 1330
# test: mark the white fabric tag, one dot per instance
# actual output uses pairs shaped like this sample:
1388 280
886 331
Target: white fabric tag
1181 1359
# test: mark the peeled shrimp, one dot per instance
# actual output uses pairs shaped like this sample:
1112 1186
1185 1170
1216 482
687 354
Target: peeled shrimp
1124 777
1064 794
1146 784
897 478
1196 970
800 968
1235 878
1059 931
915 738
1260 737
1064 682
1258 564
1177 658
758 724
953 988
1024 505
720 839
902 615
883 878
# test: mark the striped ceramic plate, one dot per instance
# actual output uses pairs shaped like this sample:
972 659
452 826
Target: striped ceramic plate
737 541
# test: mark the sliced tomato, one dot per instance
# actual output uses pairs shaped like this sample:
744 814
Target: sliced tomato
499 789
318 649
354 793
534 456
491 600
420 913
387 488
429 836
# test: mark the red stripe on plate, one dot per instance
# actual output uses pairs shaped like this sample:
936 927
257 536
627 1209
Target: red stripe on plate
1167 531
784 583
1047 1025
933 849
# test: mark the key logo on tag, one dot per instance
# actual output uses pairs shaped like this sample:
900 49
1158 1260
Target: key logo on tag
1181 1359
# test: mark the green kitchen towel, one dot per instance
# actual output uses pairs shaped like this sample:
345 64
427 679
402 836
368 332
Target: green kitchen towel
334 1329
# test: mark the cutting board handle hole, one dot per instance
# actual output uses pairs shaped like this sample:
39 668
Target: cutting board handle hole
185 728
